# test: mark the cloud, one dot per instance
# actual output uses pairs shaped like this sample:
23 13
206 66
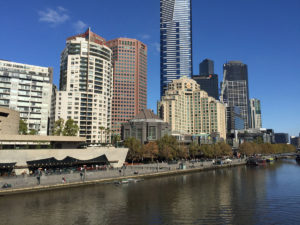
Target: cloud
54 16
62 9
145 36
79 26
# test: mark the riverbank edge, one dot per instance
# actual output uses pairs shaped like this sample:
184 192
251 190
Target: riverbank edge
14 191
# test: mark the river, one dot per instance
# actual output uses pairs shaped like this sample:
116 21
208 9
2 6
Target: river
241 195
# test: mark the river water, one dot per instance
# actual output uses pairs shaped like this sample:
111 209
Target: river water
240 195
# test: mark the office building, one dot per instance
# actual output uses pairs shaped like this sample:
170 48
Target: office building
206 67
251 135
145 127
235 88
189 110
209 83
27 89
281 138
130 80
175 41
86 85
295 141
207 80
255 110
234 118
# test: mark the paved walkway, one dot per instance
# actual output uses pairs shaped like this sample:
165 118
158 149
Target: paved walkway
104 175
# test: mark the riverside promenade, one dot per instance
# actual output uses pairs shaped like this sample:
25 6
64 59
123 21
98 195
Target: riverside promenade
24 184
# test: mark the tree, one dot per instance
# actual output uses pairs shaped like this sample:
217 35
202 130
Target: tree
167 147
101 130
193 149
115 139
247 148
107 131
58 127
207 151
70 128
150 150
135 149
23 130
33 132
226 150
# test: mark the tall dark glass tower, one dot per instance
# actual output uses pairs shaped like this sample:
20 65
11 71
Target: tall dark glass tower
175 41
207 80
235 88
206 67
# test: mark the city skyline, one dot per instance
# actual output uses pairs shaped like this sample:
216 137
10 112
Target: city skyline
267 43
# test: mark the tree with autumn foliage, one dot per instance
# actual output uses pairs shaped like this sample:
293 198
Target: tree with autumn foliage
150 150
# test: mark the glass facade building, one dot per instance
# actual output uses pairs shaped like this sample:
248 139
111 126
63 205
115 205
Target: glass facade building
281 138
206 67
175 41
255 113
235 120
235 88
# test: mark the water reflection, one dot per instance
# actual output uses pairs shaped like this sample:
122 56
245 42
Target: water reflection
241 195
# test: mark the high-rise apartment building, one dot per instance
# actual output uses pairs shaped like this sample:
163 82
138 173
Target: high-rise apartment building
189 110
206 67
86 85
175 41
27 89
130 80
235 88
255 109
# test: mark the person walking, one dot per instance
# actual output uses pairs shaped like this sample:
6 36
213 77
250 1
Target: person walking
39 174
38 179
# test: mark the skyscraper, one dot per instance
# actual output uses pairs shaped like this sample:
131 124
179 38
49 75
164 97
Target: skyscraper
86 83
235 88
206 67
255 113
130 80
175 41
207 80
27 89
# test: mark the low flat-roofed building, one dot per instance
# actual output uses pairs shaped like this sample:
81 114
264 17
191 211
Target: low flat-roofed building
19 153
37 141
9 121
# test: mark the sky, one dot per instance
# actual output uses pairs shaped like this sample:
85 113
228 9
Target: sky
264 34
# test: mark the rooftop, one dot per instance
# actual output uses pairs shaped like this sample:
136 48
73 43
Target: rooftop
146 114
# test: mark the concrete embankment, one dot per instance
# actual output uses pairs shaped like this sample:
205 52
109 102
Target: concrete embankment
153 174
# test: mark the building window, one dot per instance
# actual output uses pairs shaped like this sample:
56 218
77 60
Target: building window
152 133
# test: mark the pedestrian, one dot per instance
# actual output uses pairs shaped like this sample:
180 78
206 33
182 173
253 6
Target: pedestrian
120 172
81 176
38 179
63 180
